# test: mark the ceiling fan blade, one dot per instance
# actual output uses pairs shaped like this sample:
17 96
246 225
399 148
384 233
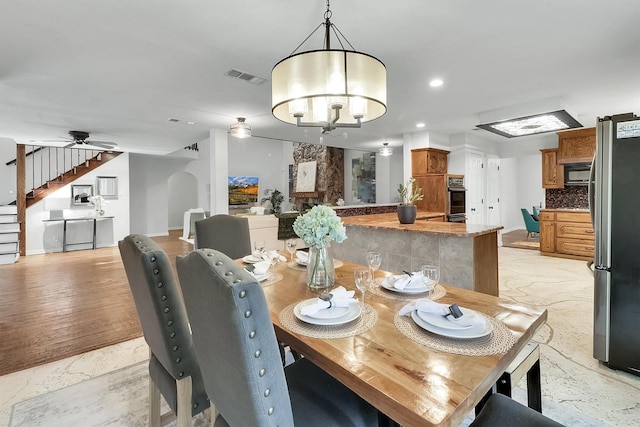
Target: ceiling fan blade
95 142
71 144
100 144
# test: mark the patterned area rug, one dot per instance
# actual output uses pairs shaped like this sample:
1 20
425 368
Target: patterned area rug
119 398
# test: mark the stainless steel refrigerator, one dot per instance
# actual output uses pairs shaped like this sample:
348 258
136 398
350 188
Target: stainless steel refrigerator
614 196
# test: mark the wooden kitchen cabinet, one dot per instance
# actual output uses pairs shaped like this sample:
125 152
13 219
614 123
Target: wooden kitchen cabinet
567 234
425 161
552 172
547 232
434 190
576 146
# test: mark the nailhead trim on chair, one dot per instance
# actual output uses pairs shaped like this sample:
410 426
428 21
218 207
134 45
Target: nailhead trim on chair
169 302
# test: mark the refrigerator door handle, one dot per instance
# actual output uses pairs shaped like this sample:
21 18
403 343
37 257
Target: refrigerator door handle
592 191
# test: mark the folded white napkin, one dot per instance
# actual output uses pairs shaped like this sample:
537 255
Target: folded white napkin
432 307
261 268
341 298
405 280
302 256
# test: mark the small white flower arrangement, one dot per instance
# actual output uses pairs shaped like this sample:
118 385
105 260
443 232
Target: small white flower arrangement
99 203
320 226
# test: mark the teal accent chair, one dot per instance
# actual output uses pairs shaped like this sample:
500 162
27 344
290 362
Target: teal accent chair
533 226
536 212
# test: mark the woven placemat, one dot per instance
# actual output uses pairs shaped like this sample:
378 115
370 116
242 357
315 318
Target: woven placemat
438 293
366 321
275 278
295 266
500 340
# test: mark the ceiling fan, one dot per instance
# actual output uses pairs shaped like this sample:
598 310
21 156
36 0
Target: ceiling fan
79 137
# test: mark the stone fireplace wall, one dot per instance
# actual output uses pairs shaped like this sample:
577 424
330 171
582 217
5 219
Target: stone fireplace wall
329 172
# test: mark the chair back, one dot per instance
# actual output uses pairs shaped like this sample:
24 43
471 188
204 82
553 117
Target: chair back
159 303
532 225
225 233
234 340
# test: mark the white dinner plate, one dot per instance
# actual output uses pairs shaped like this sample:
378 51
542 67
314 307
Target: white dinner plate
473 332
250 259
352 313
261 277
444 322
300 262
388 282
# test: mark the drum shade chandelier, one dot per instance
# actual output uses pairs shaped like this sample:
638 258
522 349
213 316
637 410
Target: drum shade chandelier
329 88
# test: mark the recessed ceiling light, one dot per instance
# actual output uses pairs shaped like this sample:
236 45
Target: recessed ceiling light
436 83
531 125
420 125
191 122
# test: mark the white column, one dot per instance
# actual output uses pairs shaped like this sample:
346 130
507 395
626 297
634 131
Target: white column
219 171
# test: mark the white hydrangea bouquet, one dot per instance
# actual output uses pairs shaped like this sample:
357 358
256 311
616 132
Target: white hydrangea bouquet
318 228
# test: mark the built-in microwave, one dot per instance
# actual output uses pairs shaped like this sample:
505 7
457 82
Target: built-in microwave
577 173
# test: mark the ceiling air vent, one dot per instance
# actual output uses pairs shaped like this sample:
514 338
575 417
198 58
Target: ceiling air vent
251 78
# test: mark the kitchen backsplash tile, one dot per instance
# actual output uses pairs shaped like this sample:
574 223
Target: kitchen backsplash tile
574 197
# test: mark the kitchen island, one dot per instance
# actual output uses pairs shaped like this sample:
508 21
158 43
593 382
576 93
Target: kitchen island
467 254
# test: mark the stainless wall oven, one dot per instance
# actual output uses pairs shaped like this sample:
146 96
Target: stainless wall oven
456 199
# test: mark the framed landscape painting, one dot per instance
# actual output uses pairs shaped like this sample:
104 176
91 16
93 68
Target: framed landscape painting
243 190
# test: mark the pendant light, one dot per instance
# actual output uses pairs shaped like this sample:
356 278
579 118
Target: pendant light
240 129
329 88
385 150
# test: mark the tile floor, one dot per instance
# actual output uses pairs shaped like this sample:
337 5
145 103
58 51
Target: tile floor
577 390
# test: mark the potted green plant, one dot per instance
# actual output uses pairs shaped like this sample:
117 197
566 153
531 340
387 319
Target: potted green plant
274 197
409 193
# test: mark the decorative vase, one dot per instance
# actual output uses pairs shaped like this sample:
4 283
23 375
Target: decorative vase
320 270
407 214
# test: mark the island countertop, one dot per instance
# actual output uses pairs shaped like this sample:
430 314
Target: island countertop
390 221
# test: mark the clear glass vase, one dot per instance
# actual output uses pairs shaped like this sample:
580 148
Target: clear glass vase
321 273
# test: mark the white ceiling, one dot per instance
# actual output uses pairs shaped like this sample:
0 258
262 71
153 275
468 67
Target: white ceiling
119 68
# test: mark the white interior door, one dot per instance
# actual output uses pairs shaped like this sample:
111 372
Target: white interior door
475 180
493 191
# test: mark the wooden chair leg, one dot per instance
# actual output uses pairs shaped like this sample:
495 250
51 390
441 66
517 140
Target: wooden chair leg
184 402
154 404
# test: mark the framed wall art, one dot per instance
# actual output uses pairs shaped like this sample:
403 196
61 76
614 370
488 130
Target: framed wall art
81 195
306 179
107 187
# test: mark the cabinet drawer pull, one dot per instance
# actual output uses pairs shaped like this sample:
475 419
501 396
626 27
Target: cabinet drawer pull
588 231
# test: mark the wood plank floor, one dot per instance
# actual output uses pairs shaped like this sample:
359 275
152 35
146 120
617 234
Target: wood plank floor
57 305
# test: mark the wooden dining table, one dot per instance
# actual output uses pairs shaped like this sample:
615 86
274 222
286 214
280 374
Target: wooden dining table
412 384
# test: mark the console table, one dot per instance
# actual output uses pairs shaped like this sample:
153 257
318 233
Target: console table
64 229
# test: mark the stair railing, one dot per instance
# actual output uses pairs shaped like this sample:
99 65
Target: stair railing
46 164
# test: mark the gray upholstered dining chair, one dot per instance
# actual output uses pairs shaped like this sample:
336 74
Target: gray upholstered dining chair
501 410
173 367
226 233
239 357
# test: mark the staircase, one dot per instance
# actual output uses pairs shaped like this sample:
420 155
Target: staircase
82 168
9 234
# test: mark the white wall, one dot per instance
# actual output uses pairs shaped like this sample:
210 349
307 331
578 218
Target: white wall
263 158
7 173
521 182
150 192
47 236
183 195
